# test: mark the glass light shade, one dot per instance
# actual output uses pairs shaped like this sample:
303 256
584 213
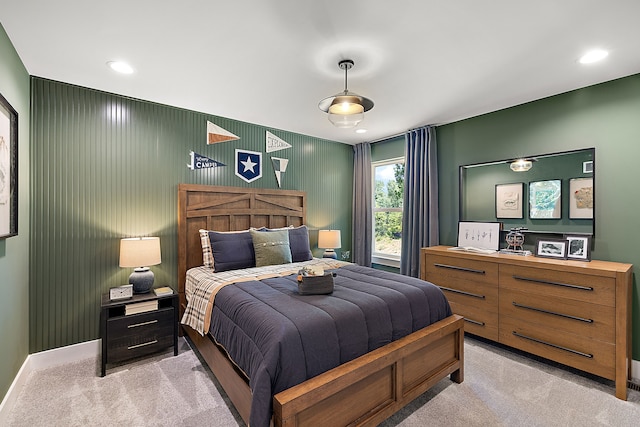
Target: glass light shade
345 122
346 105
346 111
140 252
329 239
521 165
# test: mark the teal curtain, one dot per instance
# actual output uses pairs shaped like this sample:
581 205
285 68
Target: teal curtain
362 205
420 203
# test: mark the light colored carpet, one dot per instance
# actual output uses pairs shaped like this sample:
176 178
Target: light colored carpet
501 388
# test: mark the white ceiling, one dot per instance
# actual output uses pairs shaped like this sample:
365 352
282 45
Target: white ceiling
271 61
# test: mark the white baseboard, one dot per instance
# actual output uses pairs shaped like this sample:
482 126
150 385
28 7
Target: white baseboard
43 360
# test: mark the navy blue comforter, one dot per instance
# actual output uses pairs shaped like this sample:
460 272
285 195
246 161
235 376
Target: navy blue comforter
280 338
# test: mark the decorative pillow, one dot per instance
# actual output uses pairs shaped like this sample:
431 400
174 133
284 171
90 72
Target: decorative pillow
227 250
298 242
271 248
207 256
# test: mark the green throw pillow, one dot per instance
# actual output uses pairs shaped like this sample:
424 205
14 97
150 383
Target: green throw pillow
271 248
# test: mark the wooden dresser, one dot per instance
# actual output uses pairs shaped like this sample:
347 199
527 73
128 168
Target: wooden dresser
573 312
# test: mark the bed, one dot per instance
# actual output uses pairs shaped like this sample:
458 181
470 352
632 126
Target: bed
363 391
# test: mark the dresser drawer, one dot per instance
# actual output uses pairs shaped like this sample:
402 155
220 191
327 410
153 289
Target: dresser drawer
573 350
478 321
592 321
553 283
443 270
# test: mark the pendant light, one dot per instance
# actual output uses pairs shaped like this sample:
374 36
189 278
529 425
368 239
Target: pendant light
346 109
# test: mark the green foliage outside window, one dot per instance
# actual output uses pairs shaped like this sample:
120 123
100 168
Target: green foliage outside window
388 223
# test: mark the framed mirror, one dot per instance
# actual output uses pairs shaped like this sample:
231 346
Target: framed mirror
547 193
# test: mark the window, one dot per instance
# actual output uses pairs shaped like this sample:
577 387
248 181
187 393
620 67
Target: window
388 185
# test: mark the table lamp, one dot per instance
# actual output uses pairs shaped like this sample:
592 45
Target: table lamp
329 240
140 252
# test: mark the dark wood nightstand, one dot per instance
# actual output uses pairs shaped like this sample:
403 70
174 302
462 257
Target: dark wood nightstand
125 336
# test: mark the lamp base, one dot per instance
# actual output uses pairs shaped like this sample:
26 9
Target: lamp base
142 280
330 253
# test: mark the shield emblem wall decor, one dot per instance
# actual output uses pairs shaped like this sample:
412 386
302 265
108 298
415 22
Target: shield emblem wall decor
248 165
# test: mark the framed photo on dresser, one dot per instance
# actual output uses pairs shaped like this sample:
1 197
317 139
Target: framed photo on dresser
579 247
552 248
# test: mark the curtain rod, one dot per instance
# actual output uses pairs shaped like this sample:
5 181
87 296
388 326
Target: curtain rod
396 135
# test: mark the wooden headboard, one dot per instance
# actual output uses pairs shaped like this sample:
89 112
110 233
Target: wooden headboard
229 209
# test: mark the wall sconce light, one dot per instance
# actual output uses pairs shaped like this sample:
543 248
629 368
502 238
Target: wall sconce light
140 252
329 240
521 165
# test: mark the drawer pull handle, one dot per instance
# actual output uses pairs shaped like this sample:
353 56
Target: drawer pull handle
135 325
568 316
579 353
469 294
547 282
142 345
453 267
475 322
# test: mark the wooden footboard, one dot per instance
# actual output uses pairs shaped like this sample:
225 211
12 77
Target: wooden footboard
371 388
363 392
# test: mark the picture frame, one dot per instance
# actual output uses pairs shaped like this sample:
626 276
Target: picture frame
587 167
578 247
509 200
552 248
8 169
581 196
479 235
545 199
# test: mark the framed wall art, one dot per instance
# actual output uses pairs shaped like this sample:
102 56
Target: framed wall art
509 200
579 247
581 198
552 248
8 170
545 199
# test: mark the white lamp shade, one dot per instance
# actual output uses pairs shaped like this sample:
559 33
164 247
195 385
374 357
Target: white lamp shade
140 252
329 239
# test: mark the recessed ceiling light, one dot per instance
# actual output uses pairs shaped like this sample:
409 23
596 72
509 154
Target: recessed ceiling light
593 56
120 67
361 130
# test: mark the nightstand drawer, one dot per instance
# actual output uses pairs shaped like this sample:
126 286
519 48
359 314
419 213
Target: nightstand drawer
139 334
141 324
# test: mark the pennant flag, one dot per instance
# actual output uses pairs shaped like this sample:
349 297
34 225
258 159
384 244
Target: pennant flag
279 167
216 134
274 143
248 165
198 161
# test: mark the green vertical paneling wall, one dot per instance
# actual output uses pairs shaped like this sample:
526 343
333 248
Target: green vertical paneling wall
105 167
